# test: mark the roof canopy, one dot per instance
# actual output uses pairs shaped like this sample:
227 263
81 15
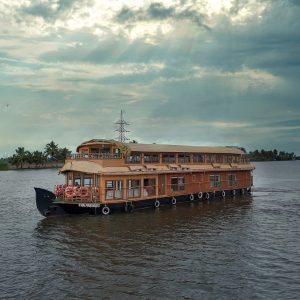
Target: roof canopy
163 148
81 166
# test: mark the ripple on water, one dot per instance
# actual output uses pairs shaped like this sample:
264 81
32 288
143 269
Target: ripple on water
241 248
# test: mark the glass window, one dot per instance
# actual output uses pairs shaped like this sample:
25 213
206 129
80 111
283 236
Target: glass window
184 158
211 158
77 179
94 150
232 180
97 180
215 180
198 158
88 180
134 158
169 158
177 184
151 158
133 188
113 189
219 159
149 187
70 179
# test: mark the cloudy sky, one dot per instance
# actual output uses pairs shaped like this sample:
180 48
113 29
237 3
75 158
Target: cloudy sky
218 72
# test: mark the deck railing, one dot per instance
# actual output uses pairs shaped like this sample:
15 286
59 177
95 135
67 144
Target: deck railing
95 156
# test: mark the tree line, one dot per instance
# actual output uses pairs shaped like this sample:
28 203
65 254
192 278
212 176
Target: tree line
268 155
51 154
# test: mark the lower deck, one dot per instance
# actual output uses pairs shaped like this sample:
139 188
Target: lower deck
86 188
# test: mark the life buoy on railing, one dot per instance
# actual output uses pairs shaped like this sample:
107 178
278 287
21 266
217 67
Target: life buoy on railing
84 191
192 197
77 191
223 194
69 191
207 196
173 201
200 195
156 204
105 210
58 189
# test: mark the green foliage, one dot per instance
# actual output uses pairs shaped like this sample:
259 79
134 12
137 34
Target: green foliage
271 155
51 154
3 165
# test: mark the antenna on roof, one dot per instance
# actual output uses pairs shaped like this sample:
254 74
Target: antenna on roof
122 130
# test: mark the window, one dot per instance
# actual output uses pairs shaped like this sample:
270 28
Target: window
97 180
133 188
70 179
232 180
113 189
149 187
169 158
215 181
77 179
133 158
88 180
177 184
198 158
184 158
151 158
95 150
211 158
219 159
235 159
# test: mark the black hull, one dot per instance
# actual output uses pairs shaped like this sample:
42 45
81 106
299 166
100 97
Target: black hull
48 205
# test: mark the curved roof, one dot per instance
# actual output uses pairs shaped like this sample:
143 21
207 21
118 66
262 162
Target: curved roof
81 166
135 147
99 141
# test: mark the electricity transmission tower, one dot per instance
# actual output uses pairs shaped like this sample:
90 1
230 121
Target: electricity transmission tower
122 130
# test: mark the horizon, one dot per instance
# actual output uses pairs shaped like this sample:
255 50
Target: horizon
186 72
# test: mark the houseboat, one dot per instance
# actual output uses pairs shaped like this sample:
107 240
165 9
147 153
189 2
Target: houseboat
106 176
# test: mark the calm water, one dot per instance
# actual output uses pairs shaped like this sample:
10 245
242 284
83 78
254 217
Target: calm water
246 248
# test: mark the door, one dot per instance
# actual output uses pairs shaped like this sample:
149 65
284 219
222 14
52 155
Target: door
161 185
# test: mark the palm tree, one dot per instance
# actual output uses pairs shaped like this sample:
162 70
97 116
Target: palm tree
38 158
63 153
51 150
19 158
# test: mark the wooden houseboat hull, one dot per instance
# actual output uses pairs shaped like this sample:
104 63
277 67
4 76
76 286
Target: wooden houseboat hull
49 205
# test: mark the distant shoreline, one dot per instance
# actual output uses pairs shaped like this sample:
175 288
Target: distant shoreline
8 167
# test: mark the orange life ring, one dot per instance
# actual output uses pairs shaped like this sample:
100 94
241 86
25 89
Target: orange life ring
84 191
77 191
69 191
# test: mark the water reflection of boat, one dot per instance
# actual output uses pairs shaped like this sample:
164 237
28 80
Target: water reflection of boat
106 176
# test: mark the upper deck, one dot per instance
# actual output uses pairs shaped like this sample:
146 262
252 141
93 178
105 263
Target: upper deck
110 153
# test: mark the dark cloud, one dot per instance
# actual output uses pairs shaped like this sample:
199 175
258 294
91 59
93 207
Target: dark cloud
157 12
48 11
